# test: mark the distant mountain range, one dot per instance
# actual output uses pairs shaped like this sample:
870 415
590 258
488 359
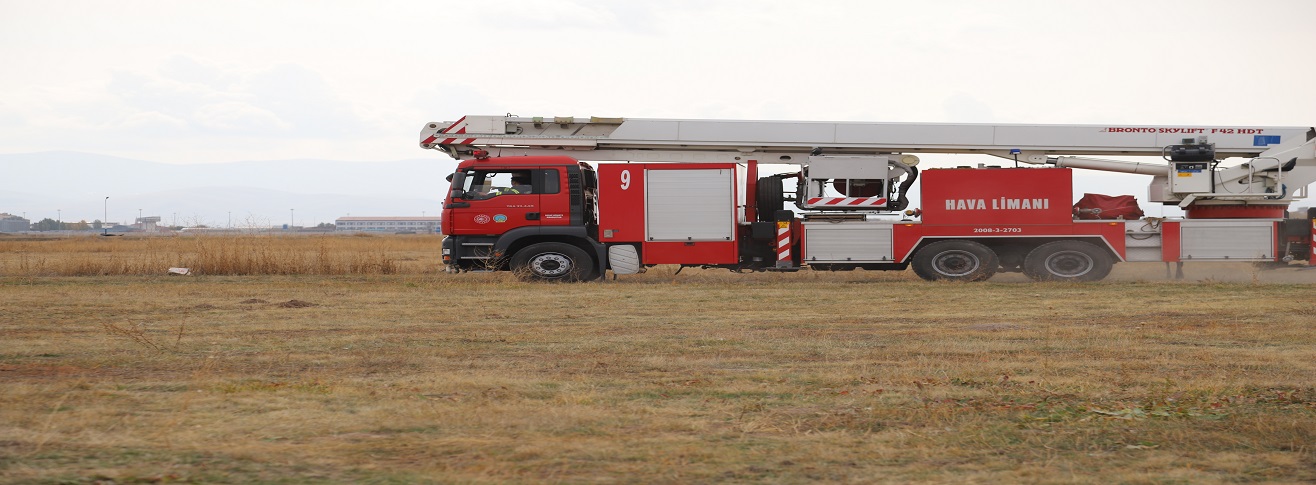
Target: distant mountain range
73 186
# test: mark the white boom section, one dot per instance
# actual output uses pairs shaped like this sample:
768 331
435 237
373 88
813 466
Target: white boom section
693 140
1282 165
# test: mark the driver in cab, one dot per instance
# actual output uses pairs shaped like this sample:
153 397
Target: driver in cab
520 185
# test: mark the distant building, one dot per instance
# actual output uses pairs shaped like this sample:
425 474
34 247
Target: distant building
13 223
418 225
148 224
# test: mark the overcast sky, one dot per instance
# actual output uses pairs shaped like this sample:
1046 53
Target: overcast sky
188 82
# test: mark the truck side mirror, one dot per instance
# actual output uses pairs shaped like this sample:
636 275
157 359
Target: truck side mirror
457 194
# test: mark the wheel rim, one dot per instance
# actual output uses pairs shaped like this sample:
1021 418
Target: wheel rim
550 264
1069 264
956 263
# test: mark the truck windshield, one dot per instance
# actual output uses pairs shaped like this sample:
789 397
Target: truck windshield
484 184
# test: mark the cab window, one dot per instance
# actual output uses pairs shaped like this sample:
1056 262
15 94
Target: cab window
485 184
489 183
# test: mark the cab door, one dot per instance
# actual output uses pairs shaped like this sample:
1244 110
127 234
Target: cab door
495 200
555 198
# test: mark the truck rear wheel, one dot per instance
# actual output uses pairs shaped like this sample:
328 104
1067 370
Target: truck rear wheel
1068 261
553 261
955 260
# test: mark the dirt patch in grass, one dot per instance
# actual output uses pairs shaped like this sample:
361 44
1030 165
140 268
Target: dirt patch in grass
296 304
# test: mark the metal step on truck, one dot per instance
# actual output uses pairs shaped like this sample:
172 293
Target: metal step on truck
696 193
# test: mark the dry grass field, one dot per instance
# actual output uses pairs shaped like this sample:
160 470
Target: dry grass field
353 359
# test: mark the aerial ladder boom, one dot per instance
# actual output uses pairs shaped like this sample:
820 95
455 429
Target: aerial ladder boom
511 135
1281 162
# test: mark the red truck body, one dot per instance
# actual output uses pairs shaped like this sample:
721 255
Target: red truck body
701 214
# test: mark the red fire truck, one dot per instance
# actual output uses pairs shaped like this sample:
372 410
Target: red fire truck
689 193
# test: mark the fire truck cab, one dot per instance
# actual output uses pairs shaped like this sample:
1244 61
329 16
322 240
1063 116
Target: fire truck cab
549 208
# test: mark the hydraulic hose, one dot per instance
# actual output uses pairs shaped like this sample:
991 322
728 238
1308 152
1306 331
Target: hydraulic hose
901 201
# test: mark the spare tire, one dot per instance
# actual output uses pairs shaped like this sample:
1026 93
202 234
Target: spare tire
770 198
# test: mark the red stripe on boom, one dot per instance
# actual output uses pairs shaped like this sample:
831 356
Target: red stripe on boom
454 125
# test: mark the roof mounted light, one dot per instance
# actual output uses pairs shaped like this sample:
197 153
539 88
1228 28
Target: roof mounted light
480 154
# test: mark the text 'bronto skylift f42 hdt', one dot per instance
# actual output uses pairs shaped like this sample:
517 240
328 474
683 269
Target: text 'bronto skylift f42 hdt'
689 193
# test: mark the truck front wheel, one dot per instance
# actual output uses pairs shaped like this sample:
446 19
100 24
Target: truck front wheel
552 261
955 260
1068 261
